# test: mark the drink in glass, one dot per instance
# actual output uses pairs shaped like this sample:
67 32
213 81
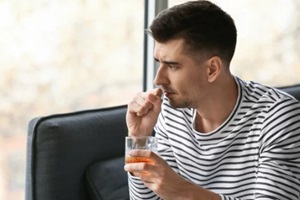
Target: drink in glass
139 142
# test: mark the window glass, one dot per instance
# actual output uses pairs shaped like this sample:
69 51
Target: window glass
58 56
268 43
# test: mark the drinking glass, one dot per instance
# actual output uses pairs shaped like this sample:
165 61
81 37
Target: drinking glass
139 142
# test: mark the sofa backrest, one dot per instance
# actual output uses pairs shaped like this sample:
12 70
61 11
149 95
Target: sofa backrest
292 90
60 149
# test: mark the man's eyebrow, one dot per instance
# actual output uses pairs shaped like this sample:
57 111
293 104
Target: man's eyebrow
167 62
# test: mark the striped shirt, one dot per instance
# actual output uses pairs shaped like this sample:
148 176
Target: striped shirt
254 154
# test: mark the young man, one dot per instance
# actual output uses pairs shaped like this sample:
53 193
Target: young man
219 137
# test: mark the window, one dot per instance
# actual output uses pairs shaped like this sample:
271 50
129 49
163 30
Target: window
59 56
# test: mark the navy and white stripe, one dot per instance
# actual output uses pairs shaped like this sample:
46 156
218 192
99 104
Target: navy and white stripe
254 154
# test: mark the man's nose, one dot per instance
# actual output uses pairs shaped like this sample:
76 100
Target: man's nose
161 76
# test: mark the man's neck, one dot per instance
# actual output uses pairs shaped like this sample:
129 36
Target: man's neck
215 111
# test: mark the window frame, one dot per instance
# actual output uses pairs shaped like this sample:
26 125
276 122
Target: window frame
152 8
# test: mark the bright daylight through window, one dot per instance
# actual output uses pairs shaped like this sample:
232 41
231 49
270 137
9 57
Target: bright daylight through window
58 56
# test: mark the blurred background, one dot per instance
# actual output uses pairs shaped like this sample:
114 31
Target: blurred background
67 55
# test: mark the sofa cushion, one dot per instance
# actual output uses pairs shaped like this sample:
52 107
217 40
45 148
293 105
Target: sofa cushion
107 180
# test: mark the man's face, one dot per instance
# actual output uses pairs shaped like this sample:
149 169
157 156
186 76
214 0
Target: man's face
182 78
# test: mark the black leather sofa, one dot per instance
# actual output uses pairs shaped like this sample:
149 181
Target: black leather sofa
80 155
77 156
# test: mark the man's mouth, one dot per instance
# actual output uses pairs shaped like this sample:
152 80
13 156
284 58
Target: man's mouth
168 93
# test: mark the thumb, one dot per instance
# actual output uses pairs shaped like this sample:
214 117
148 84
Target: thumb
155 98
157 92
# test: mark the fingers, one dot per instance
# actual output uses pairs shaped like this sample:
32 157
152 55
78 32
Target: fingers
144 102
138 168
146 171
140 105
155 96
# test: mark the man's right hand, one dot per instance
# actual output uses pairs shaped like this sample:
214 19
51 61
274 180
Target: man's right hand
142 112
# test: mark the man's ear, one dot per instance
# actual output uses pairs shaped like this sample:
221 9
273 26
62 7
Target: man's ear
214 68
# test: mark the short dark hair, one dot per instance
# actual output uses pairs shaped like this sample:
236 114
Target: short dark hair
205 28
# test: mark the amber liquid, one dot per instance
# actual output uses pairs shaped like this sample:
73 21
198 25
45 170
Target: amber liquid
129 159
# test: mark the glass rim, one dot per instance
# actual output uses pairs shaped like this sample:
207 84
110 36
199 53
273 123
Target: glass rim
140 137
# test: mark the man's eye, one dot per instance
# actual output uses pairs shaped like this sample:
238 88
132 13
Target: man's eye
171 66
